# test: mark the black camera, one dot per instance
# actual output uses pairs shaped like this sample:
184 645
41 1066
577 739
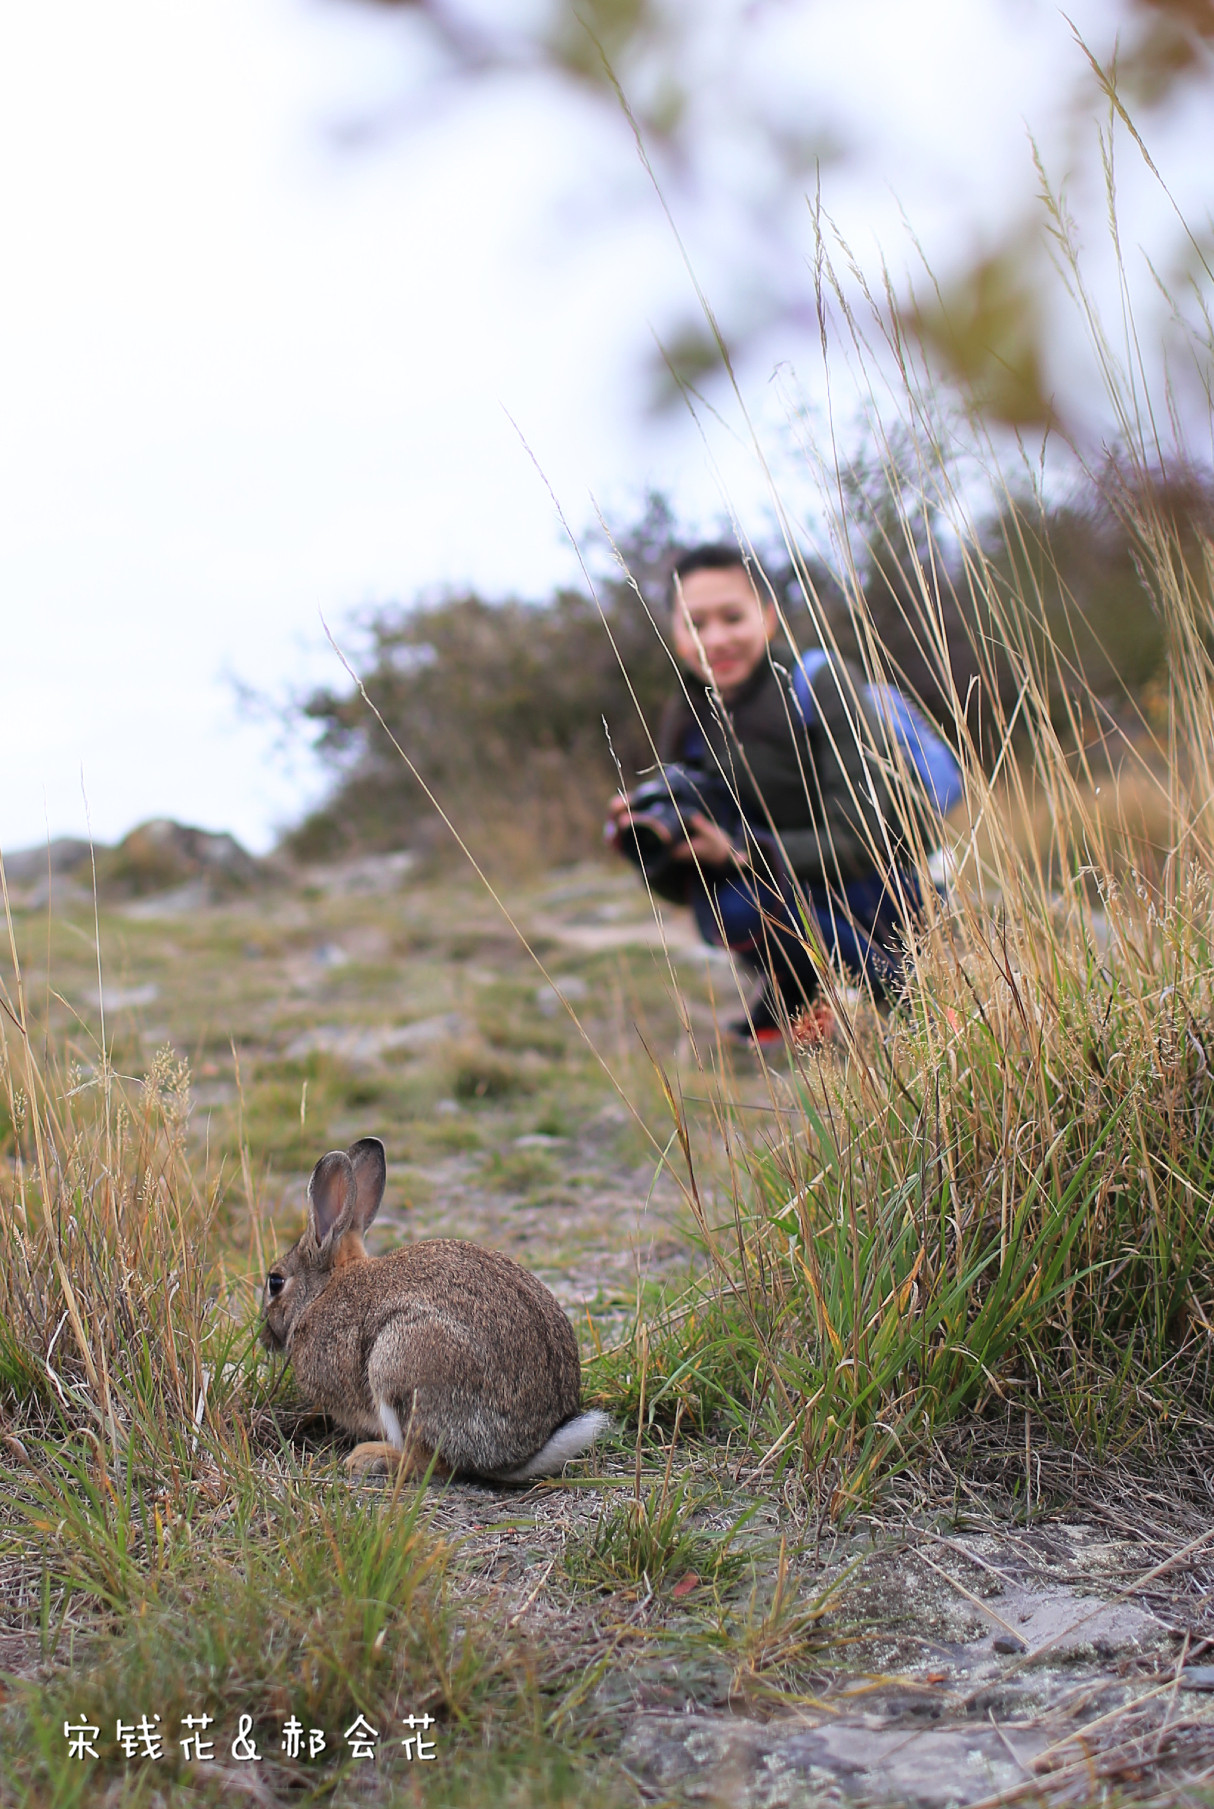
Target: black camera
661 809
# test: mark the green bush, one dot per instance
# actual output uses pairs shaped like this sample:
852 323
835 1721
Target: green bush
505 708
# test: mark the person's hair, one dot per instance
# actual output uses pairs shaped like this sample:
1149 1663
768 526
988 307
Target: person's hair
713 556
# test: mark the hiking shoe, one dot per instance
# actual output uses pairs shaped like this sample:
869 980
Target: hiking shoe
805 1028
743 1037
760 1029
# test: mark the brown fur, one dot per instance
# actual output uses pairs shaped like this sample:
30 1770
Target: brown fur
350 1250
440 1347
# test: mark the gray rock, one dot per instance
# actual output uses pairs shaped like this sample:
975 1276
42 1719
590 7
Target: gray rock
126 998
363 1044
565 986
161 856
179 901
372 875
795 1764
66 855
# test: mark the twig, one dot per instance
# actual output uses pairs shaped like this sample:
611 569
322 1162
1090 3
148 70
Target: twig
976 1600
973 1557
1013 1754
1089 1727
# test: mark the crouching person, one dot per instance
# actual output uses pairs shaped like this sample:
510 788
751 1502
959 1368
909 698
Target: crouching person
773 817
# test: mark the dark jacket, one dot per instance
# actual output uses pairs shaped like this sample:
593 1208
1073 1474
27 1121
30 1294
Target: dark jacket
820 787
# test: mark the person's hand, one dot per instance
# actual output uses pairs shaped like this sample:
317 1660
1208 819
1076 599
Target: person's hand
709 844
619 816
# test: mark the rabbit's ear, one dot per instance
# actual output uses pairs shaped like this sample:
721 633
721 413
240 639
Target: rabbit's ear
370 1164
332 1194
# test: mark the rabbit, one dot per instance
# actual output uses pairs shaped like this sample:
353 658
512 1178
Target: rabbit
439 1352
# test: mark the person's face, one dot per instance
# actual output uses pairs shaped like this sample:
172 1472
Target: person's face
720 613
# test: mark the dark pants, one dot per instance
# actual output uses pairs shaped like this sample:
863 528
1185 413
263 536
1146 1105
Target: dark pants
860 926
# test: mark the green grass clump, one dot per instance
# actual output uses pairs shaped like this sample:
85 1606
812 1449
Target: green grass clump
650 1542
478 1073
950 1240
1002 1193
287 1123
309 1600
691 1361
522 1170
445 1136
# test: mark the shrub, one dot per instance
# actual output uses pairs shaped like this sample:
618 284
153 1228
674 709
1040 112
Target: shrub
506 708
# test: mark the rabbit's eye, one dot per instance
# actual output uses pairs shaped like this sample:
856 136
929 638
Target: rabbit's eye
275 1284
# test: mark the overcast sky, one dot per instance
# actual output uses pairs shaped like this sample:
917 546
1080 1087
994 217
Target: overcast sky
281 337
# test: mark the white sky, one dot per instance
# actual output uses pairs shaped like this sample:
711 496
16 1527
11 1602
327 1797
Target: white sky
255 368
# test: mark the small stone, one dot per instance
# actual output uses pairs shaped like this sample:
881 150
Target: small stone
330 954
1197 1677
551 999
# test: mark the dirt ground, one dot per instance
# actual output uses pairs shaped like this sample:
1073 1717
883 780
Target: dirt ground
939 1649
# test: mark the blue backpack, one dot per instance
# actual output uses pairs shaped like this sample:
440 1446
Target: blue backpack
925 751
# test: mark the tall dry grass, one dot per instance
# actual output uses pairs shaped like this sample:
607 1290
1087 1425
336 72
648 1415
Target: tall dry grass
999 1200
108 1308
169 1547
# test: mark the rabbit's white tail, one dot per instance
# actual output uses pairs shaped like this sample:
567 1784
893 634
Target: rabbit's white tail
570 1440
